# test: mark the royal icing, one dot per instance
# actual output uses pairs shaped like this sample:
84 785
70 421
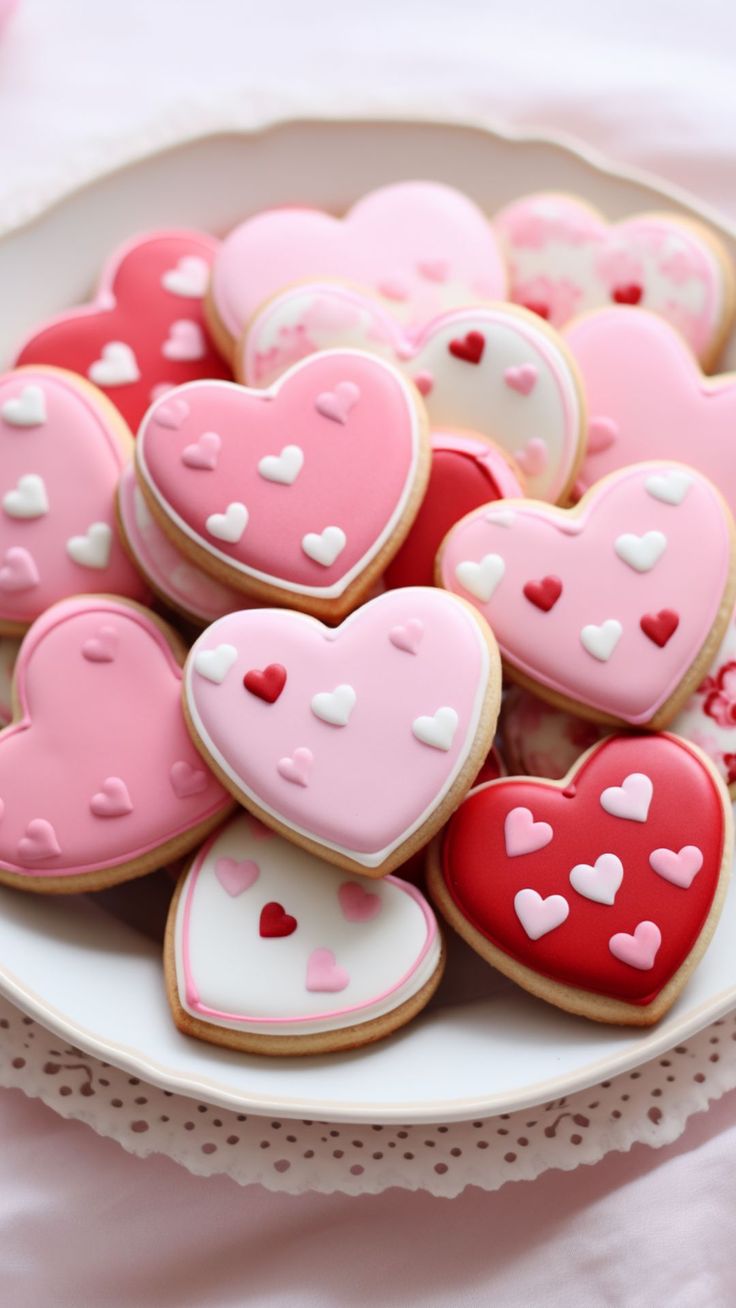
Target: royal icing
564 258
487 369
57 495
99 770
144 330
420 246
601 643
334 954
311 537
178 582
362 785
588 908
648 399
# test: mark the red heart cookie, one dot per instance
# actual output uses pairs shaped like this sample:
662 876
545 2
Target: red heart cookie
145 330
599 892
603 609
312 485
99 781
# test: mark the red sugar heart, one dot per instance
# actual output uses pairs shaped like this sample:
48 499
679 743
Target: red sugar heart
544 594
267 683
469 347
275 921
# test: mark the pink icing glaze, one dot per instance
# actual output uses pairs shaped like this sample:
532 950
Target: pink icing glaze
172 575
85 721
348 946
521 391
77 455
149 285
371 781
599 587
390 241
564 259
337 485
640 377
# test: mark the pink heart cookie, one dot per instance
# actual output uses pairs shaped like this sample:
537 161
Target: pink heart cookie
145 327
309 524
88 771
394 242
62 448
365 775
643 384
170 574
341 977
491 369
564 259
595 607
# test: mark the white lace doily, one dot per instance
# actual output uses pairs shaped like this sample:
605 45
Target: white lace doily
650 1105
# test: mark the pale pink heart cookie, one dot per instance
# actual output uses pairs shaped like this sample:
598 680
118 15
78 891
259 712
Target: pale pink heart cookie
314 485
351 965
647 393
347 741
597 608
564 259
421 246
144 331
174 578
491 369
98 777
62 448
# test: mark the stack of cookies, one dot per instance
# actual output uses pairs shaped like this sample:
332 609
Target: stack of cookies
297 525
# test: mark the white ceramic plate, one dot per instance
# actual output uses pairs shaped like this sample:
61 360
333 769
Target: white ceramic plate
90 969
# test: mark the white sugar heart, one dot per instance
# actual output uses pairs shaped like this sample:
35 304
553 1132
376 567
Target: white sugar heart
325 546
481 579
93 549
230 525
522 835
501 517
601 641
669 487
539 916
29 499
600 881
189 278
641 552
284 467
631 799
438 730
214 664
28 409
334 706
681 867
116 366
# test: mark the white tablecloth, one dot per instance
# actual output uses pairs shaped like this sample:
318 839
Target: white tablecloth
85 85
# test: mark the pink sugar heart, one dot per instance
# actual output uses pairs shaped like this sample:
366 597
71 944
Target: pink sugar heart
408 636
435 270
357 904
394 288
424 382
533 457
172 414
112 799
236 877
204 453
337 404
522 378
602 432
523 835
185 341
297 767
638 950
681 868
101 648
186 780
40 842
324 972
19 571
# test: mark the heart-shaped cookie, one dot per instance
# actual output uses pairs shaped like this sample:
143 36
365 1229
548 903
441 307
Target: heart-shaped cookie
584 610
648 399
610 916
144 331
62 447
411 682
422 247
99 780
316 540
491 369
564 259
272 950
